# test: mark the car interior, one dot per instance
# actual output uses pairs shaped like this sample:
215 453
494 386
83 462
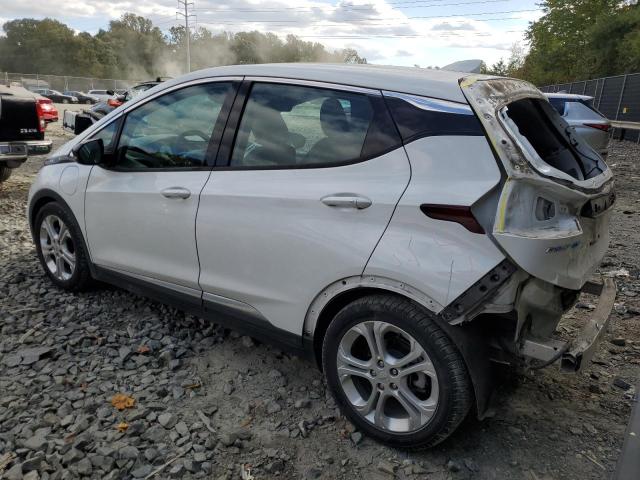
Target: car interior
290 126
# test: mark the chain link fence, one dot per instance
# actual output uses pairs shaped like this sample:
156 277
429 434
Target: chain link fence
63 83
617 98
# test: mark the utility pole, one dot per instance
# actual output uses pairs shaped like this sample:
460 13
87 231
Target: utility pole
186 4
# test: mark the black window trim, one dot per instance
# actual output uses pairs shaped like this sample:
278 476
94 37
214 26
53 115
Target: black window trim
216 136
223 160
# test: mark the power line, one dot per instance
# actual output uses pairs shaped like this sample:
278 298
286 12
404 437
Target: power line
345 7
420 17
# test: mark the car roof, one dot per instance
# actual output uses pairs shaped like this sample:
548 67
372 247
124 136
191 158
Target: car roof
17 91
418 81
568 96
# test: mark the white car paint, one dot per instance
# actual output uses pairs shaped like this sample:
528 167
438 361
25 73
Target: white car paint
441 259
133 228
264 239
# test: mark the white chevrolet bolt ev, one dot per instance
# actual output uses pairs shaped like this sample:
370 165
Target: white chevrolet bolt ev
403 227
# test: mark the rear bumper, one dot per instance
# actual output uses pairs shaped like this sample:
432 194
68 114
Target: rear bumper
13 154
38 146
582 348
543 350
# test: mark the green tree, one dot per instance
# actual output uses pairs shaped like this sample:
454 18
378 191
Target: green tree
580 39
132 47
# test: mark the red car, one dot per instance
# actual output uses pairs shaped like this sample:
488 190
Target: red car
49 112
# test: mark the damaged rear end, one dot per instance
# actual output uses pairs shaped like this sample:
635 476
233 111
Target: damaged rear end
551 220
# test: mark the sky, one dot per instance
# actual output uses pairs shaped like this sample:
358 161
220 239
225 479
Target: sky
392 32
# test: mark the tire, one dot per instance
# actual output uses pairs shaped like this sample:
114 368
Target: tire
64 100
50 222
5 173
439 392
87 102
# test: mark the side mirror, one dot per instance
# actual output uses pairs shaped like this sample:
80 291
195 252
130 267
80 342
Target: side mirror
90 152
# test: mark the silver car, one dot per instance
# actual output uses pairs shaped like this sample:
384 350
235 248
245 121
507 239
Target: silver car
578 111
402 227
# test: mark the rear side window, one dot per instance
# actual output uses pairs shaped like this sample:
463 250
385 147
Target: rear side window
552 139
582 111
418 117
290 126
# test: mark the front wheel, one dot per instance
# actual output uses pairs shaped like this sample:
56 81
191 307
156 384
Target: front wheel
61 249
5 173
88 102
395 373
64 100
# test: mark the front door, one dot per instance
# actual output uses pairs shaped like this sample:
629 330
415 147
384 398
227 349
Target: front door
140 212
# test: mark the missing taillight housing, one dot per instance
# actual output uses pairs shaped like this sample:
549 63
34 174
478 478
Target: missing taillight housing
545 210
453 213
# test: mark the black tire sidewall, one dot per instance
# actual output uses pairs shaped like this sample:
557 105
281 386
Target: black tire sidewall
358 312
5 173
81 275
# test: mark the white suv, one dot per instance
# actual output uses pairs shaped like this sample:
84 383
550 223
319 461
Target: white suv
403 227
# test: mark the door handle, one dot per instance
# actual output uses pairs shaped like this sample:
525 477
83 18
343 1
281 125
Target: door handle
346 201
176 192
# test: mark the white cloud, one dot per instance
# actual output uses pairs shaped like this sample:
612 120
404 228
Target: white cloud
377 30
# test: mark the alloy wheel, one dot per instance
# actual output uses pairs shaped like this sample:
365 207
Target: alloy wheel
387 376
58 248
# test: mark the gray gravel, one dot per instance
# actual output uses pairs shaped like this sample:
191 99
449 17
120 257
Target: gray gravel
209 403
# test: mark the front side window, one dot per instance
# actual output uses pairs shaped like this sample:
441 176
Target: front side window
108 135
289 126
171 131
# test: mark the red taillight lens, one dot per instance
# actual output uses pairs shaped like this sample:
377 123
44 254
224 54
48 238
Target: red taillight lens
114 103
453 213
605 127
42 125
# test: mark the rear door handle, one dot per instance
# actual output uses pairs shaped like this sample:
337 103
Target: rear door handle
176 192
346 201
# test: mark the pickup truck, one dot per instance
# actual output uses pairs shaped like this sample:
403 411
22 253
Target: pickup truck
22 127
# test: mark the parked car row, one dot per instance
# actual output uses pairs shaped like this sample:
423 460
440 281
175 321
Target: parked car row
77 122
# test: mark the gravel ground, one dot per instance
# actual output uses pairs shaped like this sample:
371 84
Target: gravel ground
207 401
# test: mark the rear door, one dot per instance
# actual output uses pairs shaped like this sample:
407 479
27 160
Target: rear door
299 199
140 213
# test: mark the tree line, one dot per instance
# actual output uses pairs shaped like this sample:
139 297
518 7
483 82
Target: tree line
573 40
132 47
577 40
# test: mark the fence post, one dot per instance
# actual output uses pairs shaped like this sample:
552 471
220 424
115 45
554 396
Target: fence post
6 78
584 87
624 84
604 82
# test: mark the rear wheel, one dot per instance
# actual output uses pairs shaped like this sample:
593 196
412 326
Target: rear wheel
61 249
395 373
5 173
88 102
